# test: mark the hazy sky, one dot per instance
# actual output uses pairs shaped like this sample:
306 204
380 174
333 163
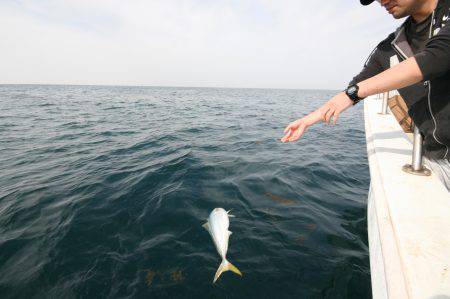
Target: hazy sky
214 43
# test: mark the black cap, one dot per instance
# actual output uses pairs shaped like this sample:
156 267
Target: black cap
366 2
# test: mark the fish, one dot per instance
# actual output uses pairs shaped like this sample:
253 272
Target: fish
149 277
217 226
177 276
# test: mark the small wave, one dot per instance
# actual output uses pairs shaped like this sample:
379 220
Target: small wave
99 204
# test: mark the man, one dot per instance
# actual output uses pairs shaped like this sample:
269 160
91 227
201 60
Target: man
422 46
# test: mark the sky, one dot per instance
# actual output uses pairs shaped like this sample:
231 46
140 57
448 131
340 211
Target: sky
199 43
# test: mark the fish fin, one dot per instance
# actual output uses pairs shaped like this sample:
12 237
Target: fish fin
234 269
226 266
206 226
229 215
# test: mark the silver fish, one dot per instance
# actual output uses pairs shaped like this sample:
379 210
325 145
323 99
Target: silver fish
217 226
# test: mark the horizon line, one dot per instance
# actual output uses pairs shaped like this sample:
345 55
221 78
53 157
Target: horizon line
166 86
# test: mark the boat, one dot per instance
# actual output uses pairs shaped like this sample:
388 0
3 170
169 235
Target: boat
408 212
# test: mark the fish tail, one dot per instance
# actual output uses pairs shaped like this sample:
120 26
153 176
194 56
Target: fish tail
226 266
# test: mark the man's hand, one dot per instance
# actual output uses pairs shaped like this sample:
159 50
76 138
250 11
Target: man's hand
331 109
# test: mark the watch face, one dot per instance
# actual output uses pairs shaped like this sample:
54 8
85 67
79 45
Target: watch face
352 90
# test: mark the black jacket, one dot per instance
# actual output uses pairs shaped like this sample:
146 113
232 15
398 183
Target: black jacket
429 101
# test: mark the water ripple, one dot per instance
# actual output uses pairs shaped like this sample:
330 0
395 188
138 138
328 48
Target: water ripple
104 191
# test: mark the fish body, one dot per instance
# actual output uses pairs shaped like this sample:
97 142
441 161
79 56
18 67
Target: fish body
217 226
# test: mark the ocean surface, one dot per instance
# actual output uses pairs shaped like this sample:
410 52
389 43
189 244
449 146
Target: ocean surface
104 190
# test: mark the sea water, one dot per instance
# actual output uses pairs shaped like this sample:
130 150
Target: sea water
104 190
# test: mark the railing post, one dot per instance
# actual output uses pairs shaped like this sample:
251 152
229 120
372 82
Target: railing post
416 167
384 105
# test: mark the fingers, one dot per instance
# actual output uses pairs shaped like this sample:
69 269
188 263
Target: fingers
324 113
287 136
293 135
335 117
328 115
296 129
289 130
298 133
291 126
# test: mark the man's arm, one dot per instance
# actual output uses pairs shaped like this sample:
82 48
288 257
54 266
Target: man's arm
336 105
434 60
403 74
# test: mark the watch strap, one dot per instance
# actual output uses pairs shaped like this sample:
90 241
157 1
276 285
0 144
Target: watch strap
352 93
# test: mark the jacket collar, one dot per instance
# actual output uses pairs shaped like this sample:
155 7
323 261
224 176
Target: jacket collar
400 43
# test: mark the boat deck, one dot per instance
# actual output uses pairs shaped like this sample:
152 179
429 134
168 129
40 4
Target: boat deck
408 216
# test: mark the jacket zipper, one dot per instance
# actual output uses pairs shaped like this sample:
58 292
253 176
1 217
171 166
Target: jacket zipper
434 120
428 84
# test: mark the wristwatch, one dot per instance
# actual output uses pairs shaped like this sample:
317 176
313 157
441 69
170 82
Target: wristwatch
352 93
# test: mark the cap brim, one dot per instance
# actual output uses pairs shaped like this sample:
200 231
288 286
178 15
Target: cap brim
366 2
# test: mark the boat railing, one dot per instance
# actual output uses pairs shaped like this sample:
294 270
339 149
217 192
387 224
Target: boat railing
416 167
384 103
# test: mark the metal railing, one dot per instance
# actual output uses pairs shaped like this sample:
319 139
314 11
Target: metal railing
416 167
384 105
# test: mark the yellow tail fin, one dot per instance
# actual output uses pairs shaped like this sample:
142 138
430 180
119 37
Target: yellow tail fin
226 266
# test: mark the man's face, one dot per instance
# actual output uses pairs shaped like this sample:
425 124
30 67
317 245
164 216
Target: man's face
401 8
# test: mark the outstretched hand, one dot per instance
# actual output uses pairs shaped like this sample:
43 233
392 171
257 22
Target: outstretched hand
330 110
